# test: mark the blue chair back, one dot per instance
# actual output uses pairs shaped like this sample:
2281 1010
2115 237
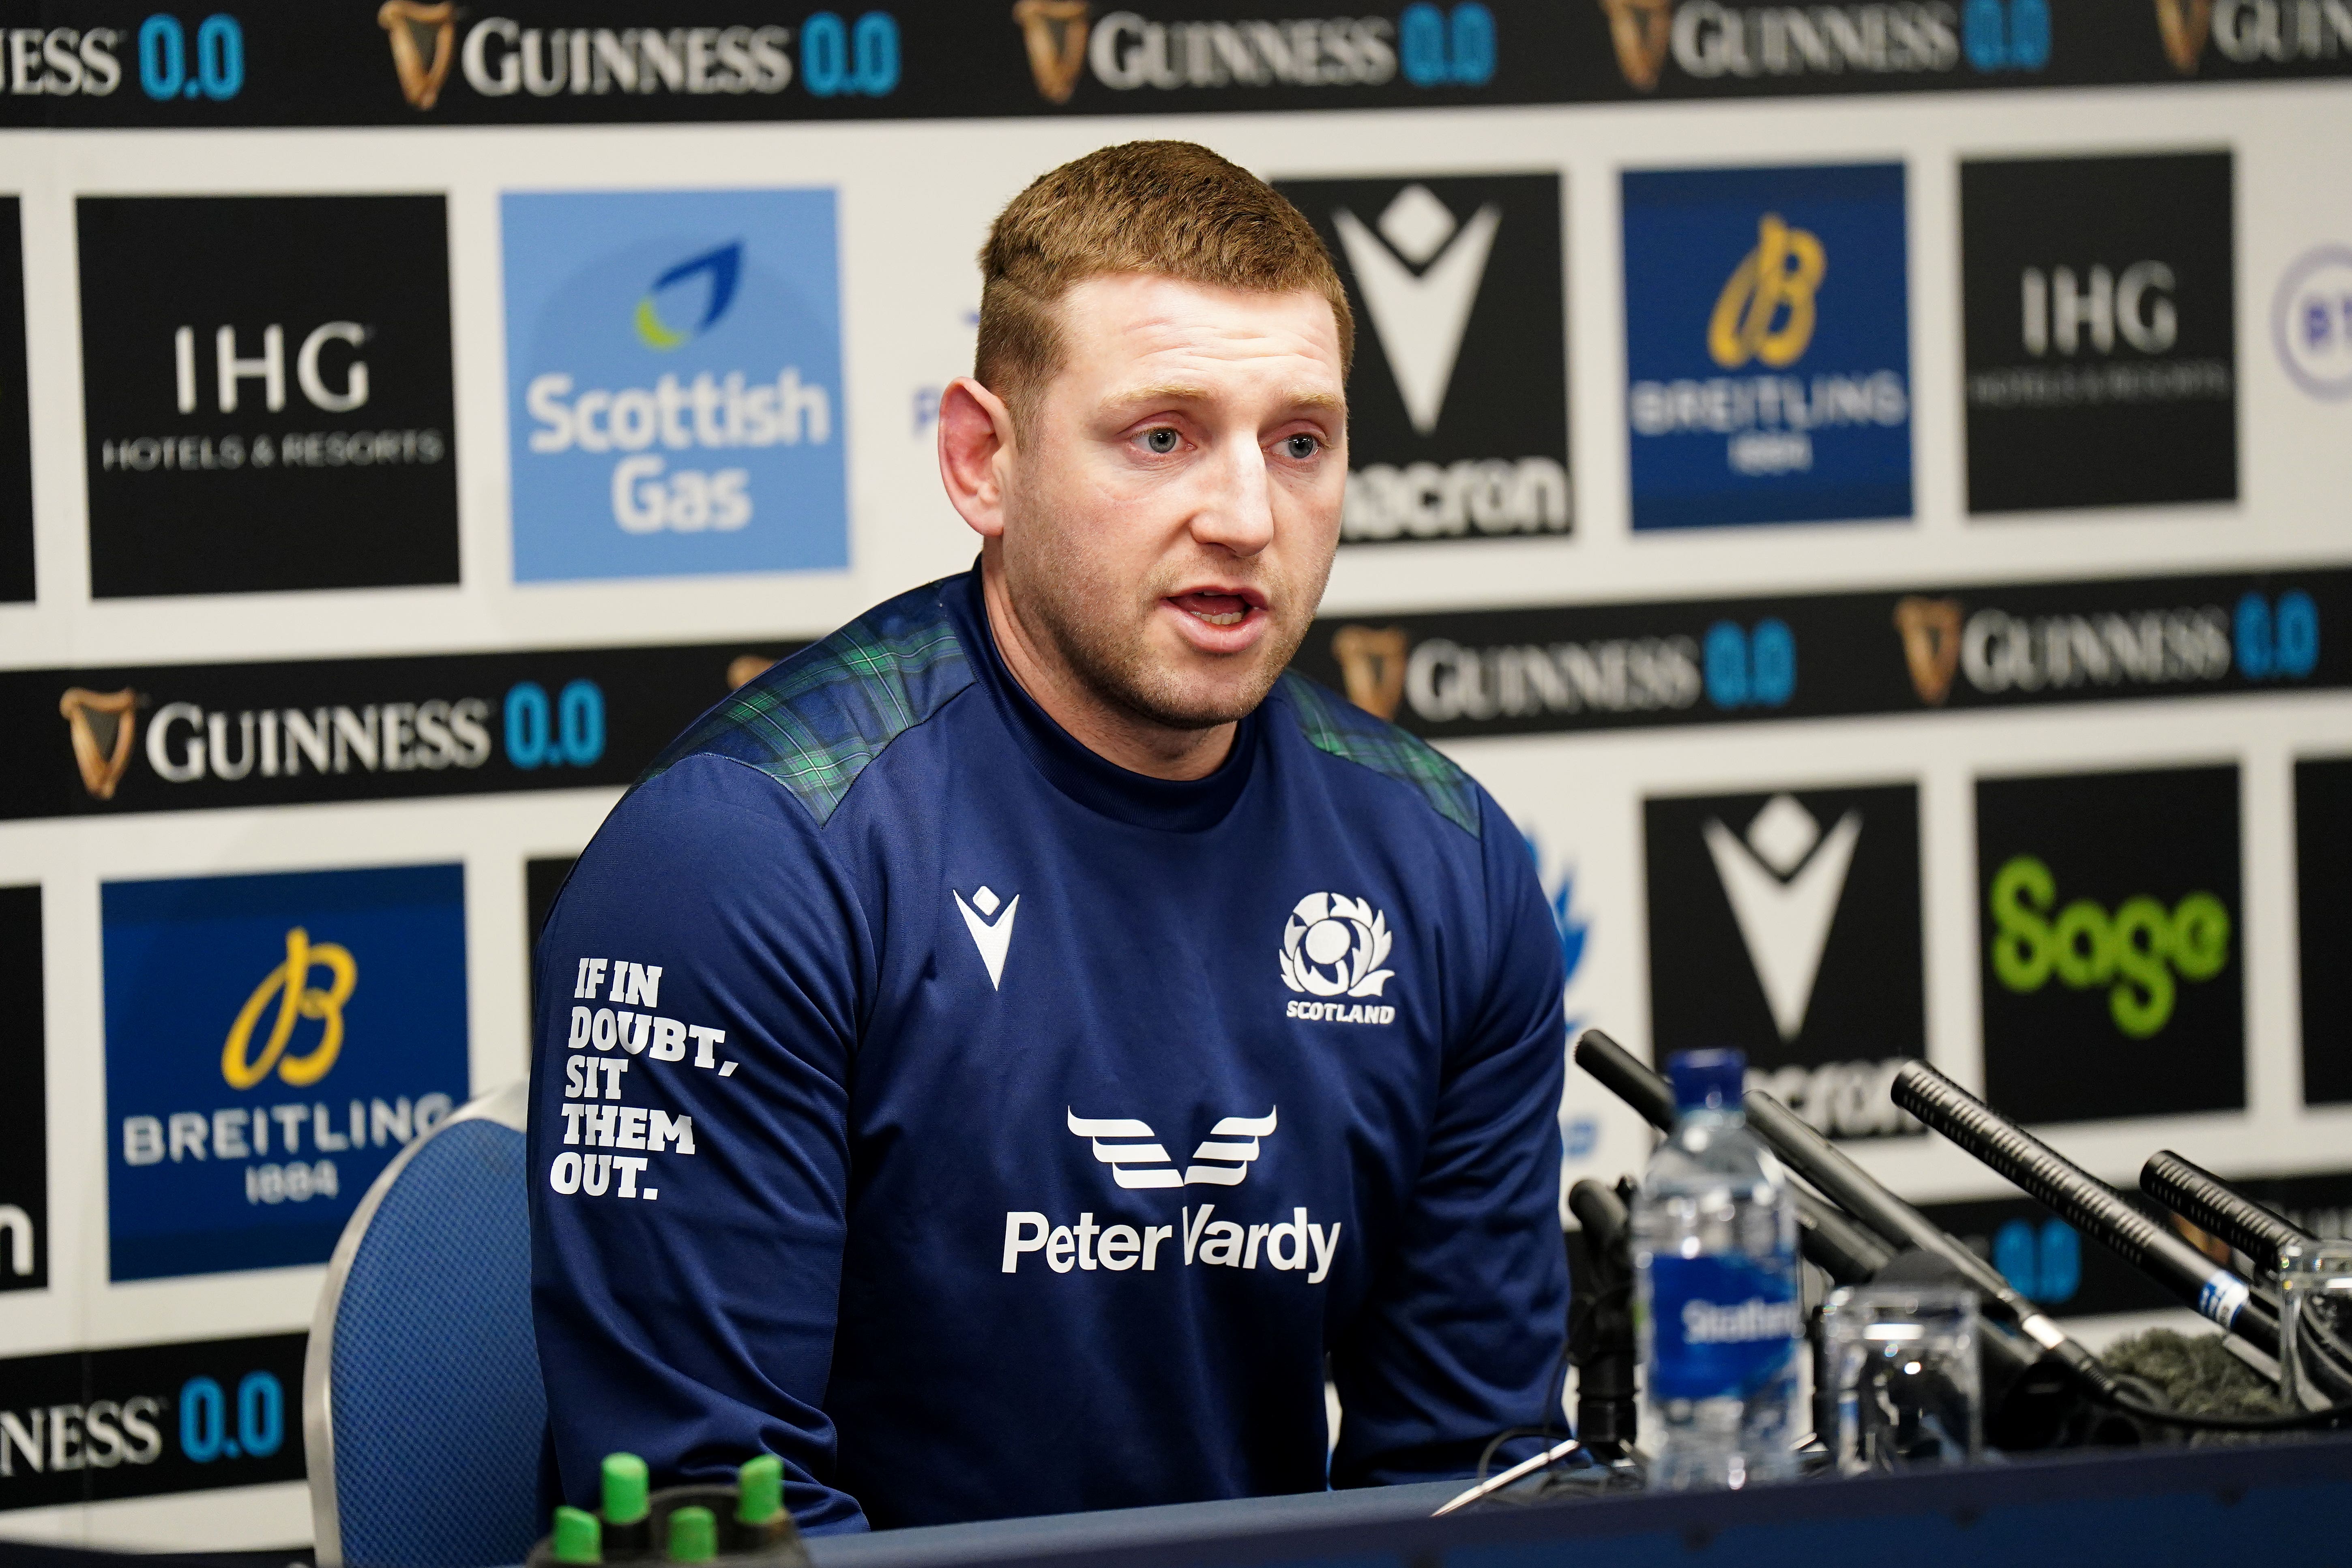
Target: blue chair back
422 1405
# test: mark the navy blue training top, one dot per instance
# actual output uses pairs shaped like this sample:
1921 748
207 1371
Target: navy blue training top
989 1130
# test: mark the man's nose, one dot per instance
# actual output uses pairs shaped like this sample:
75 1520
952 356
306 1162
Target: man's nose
1238 515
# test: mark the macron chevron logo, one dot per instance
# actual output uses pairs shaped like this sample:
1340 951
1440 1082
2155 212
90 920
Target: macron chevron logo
1138 1160
1419 299
993 939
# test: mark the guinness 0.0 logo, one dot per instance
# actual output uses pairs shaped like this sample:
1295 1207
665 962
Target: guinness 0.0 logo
1056 34
424 41
1638 30
103 725
1371 662
1931 644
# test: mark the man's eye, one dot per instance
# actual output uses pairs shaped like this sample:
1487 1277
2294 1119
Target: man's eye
1161 441
1301 448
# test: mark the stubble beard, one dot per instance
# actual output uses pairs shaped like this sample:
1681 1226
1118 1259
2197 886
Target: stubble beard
1099 627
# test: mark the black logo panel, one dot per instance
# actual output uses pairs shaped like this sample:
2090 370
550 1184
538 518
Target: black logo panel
15 429
149 1420
2101 339
1457 409
273 410
24 1111
1788 925
2114 935
2323 881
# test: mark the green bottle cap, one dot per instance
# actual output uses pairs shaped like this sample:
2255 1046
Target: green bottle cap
578 1537
759 1489
693 1535
626 1486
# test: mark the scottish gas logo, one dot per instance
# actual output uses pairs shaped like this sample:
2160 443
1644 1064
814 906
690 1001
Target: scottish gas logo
676 383
271 1043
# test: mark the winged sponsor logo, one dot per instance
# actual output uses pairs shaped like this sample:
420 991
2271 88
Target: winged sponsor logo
1138 1159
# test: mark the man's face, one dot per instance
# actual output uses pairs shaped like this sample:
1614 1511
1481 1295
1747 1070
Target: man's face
1174 502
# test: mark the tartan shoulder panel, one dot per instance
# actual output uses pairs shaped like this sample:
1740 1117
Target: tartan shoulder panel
1338 727
813 722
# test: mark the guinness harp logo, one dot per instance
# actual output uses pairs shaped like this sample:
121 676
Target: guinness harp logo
424 37
1931 644
1371 661
1639 29
1055 32
102 724
2184 23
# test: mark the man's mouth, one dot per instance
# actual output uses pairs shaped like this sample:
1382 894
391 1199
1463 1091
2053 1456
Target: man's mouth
1217 609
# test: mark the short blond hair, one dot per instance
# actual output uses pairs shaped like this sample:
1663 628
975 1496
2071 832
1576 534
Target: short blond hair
1170 209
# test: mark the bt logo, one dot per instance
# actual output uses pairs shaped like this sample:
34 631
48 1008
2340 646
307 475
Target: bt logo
268 367
2136 304
2134 951
1766 309
2311 322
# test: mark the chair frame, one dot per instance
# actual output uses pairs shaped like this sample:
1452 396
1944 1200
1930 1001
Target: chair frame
509 1107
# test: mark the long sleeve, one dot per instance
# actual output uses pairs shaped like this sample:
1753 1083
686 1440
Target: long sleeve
700 986
1462 1332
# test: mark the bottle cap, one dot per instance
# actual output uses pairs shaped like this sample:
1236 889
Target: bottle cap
759 1489
693 1535
624 1488
1707 1080
578 1537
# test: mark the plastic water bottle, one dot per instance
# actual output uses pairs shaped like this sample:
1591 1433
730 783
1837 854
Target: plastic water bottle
1715 1255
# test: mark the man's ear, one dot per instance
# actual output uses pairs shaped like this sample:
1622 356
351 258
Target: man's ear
976 451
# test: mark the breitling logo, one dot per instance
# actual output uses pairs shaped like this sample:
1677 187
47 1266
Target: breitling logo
1638 30
424 41
103 725
1056 34
1931 644
2183 25
1371 663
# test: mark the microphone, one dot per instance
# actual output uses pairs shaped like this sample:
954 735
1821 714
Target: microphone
1830 1241
1863 1196
2199 1196
2088 1203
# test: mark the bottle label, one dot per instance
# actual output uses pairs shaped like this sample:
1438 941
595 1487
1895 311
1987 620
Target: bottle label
1721 1325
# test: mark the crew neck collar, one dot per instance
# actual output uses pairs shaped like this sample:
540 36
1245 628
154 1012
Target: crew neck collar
1177 805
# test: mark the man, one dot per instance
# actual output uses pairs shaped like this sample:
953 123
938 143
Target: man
997 1058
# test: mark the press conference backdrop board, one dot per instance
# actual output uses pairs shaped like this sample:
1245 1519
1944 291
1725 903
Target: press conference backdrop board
1863 485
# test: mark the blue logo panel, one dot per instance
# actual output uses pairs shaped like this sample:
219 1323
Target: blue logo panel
1767 345
271 1043
675 393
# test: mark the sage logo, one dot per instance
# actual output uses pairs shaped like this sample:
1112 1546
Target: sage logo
1766 344
676 384
1458 406
2114 985
1787 924
271 1043
2100 332
2323 853
274 411
2133 952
